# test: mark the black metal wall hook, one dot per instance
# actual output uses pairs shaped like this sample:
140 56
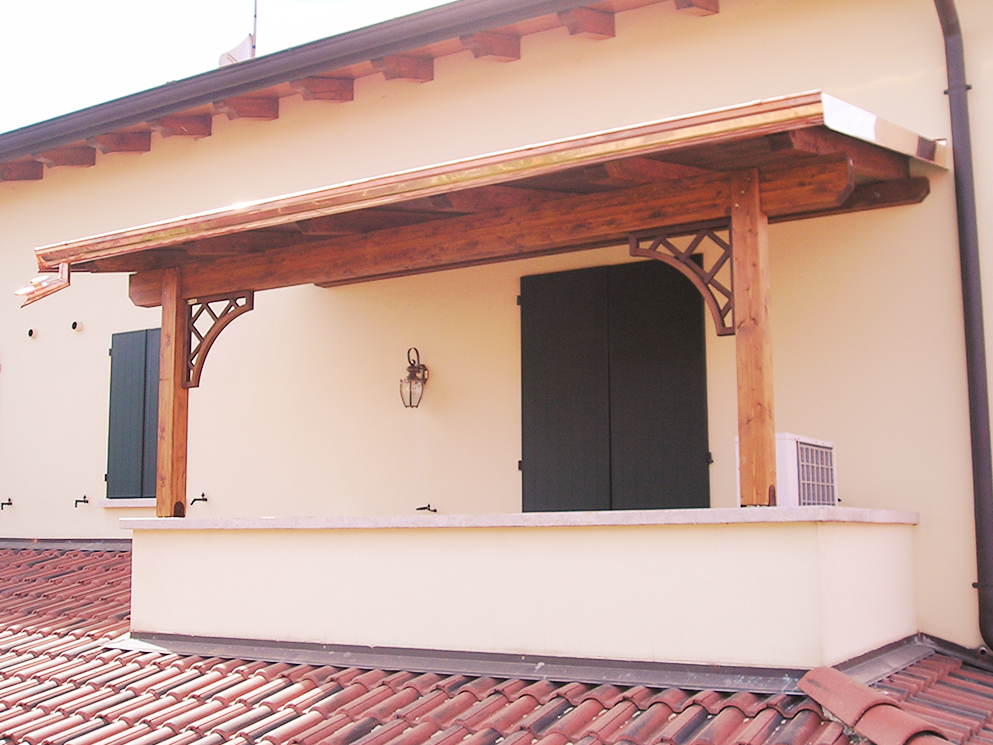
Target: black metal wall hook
426 508
201 498
8 503
78 502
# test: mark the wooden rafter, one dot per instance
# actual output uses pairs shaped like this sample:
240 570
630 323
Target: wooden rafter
240 243
870 162
483 199
183 125
557 225
874 195
80 156
588 22
699 7
22 170
645 170
122 142
500 47
405 67
249 107
363 221
325 89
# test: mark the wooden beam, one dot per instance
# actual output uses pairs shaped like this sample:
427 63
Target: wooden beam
753 341
699 7
588 22
183 125
122 142
500 47
84 156
481 199
557 225
325 89
240 243
170 482
403 67
646 170
791 189
249 107
363 221
22 170
870 161
873 196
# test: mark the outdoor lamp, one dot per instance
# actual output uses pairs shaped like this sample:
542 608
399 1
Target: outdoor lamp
412 387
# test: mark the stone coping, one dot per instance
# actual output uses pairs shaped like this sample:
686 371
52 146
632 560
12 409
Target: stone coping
618 518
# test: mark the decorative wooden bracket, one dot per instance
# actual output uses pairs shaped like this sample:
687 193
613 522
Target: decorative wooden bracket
715 283
207 318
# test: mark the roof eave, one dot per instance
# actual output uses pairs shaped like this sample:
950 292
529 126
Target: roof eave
380 40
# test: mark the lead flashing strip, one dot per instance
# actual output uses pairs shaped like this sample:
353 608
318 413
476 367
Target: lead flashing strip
528 667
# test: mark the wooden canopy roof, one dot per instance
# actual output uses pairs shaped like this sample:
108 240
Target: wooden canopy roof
815 155
736 168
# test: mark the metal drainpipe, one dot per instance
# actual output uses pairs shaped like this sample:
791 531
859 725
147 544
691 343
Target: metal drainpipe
972 303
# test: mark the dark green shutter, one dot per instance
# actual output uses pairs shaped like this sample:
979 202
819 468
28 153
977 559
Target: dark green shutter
132 440
564 387
613 386
658 389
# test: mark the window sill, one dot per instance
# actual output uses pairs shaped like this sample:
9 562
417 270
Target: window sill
130 503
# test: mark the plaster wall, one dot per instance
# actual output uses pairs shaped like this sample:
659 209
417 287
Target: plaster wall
298 411
549 587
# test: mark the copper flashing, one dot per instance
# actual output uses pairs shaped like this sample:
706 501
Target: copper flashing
45 285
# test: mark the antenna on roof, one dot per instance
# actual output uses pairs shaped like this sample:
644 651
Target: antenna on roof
246 49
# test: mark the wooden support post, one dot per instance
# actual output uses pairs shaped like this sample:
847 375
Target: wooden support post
170 485
753 343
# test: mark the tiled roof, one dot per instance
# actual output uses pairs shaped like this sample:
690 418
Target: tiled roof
61 684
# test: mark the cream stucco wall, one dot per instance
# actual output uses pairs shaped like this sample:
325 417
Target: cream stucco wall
298 410
682 590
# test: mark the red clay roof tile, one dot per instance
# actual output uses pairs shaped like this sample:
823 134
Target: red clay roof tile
59 684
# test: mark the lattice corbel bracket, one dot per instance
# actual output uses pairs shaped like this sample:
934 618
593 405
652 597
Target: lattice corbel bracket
207 318
717 294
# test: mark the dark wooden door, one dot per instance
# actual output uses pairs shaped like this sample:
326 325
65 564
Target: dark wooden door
613 390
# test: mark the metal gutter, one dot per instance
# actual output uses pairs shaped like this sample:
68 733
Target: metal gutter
972 306
381 40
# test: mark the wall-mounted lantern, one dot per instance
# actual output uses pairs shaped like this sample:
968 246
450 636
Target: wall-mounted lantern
412 387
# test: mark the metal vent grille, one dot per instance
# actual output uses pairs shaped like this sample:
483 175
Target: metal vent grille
815 466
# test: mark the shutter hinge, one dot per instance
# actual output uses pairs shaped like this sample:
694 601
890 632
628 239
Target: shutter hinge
518 299
520 465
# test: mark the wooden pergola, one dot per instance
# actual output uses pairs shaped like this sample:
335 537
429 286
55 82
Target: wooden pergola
731 171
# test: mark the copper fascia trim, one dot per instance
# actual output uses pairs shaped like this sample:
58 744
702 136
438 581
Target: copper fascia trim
719 125
45 285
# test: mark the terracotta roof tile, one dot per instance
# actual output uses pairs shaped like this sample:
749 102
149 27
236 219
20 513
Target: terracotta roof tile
422 705
322 729
60 685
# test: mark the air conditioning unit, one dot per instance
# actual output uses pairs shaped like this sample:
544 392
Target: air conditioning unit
805 472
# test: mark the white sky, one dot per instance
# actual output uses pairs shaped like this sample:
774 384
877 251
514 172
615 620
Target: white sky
58 56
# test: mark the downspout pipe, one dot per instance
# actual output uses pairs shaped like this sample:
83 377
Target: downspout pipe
972 303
